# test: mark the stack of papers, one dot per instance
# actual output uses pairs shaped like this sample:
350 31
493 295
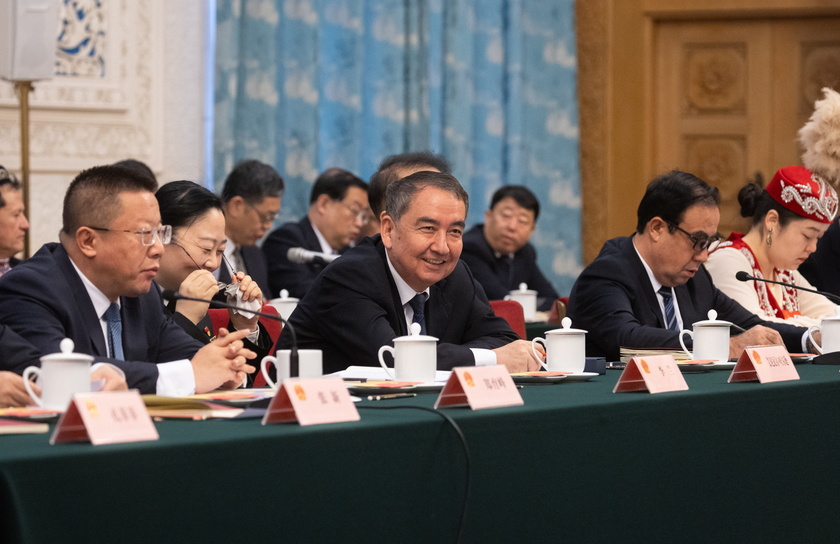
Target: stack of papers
628 353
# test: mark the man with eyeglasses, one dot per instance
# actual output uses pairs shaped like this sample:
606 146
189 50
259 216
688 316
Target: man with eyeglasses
252 197
338 209
95 287
498 252
643 289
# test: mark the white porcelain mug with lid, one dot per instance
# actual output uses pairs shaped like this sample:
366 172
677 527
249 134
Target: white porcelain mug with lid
829 328
60 376
527 298
565 348
415 357
710 339
310 365
285 304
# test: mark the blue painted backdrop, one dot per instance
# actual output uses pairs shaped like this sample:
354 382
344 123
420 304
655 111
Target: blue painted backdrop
309 84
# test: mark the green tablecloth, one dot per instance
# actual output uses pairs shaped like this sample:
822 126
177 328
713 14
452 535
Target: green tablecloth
538 328
722 462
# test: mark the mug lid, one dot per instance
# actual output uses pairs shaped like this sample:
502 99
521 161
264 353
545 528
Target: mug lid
67 354
523 289
713 321
414 335
566 325
284 297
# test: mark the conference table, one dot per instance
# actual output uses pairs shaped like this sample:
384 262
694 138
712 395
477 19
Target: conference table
745 462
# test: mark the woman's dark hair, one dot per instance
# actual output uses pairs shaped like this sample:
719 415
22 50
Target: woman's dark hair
183 202
756 202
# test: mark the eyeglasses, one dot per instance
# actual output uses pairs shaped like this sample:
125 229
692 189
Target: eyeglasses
147 237
358 215
700 242
264 217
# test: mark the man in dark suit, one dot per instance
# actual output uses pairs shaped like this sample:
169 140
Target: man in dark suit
338 209
252 197
95 288
643 289
498 252
13 223
411 273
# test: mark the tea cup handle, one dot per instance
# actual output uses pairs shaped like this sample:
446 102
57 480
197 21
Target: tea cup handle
682 343
27 374
540 357
264 369
382 351
811 330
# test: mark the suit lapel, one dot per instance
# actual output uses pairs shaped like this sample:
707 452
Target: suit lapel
90 321
438 309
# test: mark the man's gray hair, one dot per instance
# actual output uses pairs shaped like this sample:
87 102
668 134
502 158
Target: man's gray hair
399 194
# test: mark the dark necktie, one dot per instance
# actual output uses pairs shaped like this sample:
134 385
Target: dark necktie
418 304
670 314
506 265
112 317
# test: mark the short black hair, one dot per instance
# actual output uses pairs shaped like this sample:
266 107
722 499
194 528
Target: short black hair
7 179
668 196
93 197
386 174
401 193
253 181
139 167
335 182
521 195
183 202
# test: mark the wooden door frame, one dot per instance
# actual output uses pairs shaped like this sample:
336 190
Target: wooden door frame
615 96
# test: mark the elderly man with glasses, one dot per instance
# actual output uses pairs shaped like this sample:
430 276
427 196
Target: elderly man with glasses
338 209
643 289
95 287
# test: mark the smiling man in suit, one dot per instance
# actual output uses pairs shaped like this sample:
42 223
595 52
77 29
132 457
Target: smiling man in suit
643 289
410 273
96 287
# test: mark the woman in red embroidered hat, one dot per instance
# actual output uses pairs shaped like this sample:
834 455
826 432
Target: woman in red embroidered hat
788 217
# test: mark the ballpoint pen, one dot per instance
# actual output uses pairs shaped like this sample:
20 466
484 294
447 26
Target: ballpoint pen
392 396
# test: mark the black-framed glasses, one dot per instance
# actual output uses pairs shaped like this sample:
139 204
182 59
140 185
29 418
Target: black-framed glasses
264 217
700 242
174 243
147 237
358 215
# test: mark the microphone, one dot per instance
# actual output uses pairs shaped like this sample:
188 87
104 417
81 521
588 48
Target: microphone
743 276
293 352
303 256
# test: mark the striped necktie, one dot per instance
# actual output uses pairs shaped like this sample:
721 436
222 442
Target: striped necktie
418 304
670 314
112 317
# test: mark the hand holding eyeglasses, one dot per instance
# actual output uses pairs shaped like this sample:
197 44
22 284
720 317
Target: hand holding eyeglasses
198 284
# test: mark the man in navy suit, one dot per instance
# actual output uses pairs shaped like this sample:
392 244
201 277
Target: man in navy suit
643 289
13 223
252 197
338 209
411 273
95 288
498 252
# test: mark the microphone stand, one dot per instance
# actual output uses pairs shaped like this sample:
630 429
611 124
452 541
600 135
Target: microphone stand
743 276
294 361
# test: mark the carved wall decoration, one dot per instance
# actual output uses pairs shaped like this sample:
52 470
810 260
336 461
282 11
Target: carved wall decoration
720 161
715 79
820 68
81 39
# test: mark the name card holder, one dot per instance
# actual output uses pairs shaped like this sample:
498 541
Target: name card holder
765 364
479 387
656 374
311 401
111 417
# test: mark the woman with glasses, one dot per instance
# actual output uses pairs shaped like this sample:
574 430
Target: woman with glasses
195 250
788 217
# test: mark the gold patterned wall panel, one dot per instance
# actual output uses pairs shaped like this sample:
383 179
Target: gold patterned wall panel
715 79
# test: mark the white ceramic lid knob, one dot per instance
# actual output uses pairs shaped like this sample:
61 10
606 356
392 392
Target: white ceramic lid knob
67 346
713 315
284 293
523 286
566 323
415 329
